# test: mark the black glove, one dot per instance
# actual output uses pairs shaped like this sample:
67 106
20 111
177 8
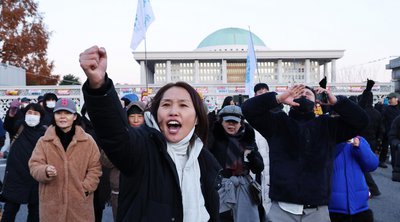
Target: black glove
370 84
322 83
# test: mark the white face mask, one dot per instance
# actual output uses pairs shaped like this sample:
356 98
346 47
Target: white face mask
51 104
32 120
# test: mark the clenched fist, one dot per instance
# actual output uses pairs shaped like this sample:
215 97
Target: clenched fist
94 63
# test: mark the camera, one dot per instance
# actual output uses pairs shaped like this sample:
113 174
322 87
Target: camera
322 97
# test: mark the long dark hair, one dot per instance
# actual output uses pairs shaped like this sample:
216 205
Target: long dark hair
201 128
227 101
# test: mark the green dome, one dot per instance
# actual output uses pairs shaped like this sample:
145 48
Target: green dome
230 36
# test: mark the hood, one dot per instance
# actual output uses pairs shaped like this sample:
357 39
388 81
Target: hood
366 100
48 96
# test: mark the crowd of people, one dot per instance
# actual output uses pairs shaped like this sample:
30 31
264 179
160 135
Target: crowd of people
173 160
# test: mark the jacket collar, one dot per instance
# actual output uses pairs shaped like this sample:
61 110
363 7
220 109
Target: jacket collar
80 134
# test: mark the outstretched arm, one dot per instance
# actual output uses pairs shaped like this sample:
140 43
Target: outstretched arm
107 115
94 63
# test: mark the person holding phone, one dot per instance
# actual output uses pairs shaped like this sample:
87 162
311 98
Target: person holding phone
301 148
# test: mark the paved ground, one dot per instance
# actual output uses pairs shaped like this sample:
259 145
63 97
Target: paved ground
385 207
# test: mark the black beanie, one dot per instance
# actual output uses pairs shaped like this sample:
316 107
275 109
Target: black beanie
134 110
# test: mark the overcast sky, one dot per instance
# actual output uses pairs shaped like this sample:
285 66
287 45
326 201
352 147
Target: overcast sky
366 29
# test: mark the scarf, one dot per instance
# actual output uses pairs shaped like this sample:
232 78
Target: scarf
234 154
188 169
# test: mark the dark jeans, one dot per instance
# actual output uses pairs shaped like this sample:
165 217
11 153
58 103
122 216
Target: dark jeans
393 151
11 209
226 216
365 216
373 188
384 150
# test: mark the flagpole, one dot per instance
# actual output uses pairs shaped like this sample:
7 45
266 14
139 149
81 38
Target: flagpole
252 43
145 64
144 17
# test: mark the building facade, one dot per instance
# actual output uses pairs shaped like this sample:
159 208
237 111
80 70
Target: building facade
217 68
221 59
394 65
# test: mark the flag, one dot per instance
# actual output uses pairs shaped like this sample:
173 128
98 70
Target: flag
144 17
251 66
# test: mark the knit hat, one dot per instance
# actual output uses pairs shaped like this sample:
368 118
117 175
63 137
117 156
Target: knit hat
40 98
25 100
393 95
135 108
50 96
231 113
65 104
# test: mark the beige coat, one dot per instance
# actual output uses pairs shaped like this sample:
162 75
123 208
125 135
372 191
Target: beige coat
62 198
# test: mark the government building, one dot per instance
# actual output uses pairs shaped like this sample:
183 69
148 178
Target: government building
221 59
217 67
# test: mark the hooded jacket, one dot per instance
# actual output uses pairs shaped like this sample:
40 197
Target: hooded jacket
151 191
302 146
350 192
63 198
48 117
375 129
18 184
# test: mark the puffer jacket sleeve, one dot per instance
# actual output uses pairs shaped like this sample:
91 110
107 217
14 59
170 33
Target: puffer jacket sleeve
110 122
38 163
364 156
256 110
93 172
351 121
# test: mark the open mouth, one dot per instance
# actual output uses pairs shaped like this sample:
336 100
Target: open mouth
173 126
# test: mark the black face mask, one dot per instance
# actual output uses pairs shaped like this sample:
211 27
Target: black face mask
305 105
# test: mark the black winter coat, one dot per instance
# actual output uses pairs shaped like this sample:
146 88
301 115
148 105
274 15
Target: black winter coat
394 133
375 129
12 124
388 115
218 143
302 146
152 192
18 185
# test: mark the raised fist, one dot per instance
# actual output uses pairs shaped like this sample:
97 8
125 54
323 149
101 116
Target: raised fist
94 63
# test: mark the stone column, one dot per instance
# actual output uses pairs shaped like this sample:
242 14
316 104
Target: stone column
307 71
280 77
333 70
143 73
325 72
196 71
168 74
224 71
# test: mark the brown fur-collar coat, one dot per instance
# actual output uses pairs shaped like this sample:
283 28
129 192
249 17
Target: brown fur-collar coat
63 198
